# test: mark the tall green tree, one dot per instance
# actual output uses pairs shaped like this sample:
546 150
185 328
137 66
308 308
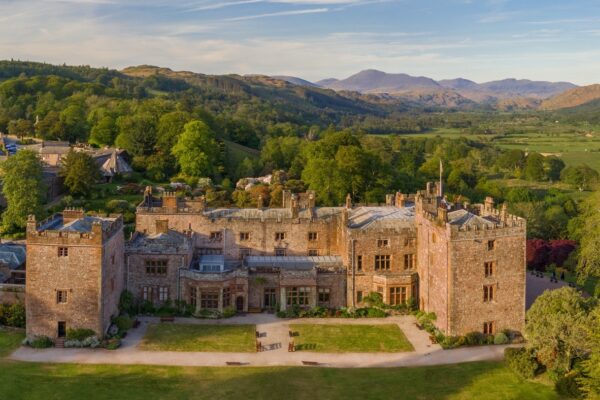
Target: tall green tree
23 188
557 328
196 150
80 172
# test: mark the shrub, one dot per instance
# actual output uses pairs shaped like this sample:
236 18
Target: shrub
474 338
126 303
12 315
228 312
79 334
500 338
123 323
568 385
451 342
113 344
40 342
521 361
375 313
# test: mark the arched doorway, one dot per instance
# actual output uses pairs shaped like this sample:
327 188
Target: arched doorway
239 304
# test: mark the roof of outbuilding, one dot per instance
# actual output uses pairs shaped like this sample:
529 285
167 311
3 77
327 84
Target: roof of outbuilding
12 254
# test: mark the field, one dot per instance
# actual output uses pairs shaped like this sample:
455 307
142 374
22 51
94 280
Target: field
574 145
72 381
196 337
350 338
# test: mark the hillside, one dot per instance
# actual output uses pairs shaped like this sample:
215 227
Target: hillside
373 81
572 98
295 80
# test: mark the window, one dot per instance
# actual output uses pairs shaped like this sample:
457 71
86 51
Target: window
383 242
244 253
359 263
163 293
409 261
409 241
489 268
279 236
298 296
193 296
359 296
216 236
209 300
211 268
433 238
226 297
279 252
312 236
147 293
324 295
488 293
244 236
156 267
488 328
63 251
491 245
383 262
397 295
313 252
61 296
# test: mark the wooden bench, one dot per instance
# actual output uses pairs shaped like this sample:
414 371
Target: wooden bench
310 363
167 319
291 347
419 327
233 363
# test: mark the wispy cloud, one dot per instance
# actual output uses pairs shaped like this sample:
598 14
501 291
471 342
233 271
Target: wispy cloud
215 6
279 14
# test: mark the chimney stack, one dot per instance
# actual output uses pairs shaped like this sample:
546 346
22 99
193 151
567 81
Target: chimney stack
348 201
162 225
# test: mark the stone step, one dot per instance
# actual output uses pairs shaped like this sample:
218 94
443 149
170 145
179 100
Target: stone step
59 343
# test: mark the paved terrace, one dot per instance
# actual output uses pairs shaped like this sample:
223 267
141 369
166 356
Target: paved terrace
275 339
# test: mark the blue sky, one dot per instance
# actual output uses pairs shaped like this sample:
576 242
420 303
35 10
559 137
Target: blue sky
476 39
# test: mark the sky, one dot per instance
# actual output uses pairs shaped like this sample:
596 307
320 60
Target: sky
481 40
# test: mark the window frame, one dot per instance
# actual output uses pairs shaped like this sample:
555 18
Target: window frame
63 251
313 236
382 262
279 236
324 295
62 296
489 295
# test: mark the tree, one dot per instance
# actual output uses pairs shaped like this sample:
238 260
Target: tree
80 172
196 150
590 381
580 176
137 134
557 328
589 246
104 132
23 189
553 166
73 120
20 128
534 167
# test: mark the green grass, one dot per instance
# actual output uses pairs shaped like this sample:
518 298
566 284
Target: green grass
10 340
350 338
196 337
489 380
71 381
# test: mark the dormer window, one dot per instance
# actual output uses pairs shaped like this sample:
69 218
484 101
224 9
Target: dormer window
383 243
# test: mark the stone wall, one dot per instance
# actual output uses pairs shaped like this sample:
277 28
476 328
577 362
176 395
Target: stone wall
11 294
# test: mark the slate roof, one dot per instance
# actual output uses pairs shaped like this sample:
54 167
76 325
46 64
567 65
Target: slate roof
168 242
465 218
293 262
381 217
79 225
12 254
269 213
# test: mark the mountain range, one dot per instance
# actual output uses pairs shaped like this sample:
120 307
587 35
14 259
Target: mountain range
459 92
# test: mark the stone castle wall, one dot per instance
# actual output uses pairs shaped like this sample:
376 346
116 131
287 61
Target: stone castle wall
11 294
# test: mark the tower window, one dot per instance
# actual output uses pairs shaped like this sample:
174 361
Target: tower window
491 245
61 296
488 293
63 251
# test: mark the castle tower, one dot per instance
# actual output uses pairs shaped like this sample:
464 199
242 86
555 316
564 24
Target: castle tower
75 273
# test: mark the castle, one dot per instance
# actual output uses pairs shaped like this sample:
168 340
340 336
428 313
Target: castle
464 262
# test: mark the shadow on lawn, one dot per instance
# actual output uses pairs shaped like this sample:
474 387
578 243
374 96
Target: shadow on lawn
469 381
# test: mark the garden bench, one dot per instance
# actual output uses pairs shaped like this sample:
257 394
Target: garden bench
433 339
258 346
310 363
233 363
291 347
167 319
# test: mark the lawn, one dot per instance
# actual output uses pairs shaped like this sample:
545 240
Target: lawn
9 340
196 337
489 380
387 338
